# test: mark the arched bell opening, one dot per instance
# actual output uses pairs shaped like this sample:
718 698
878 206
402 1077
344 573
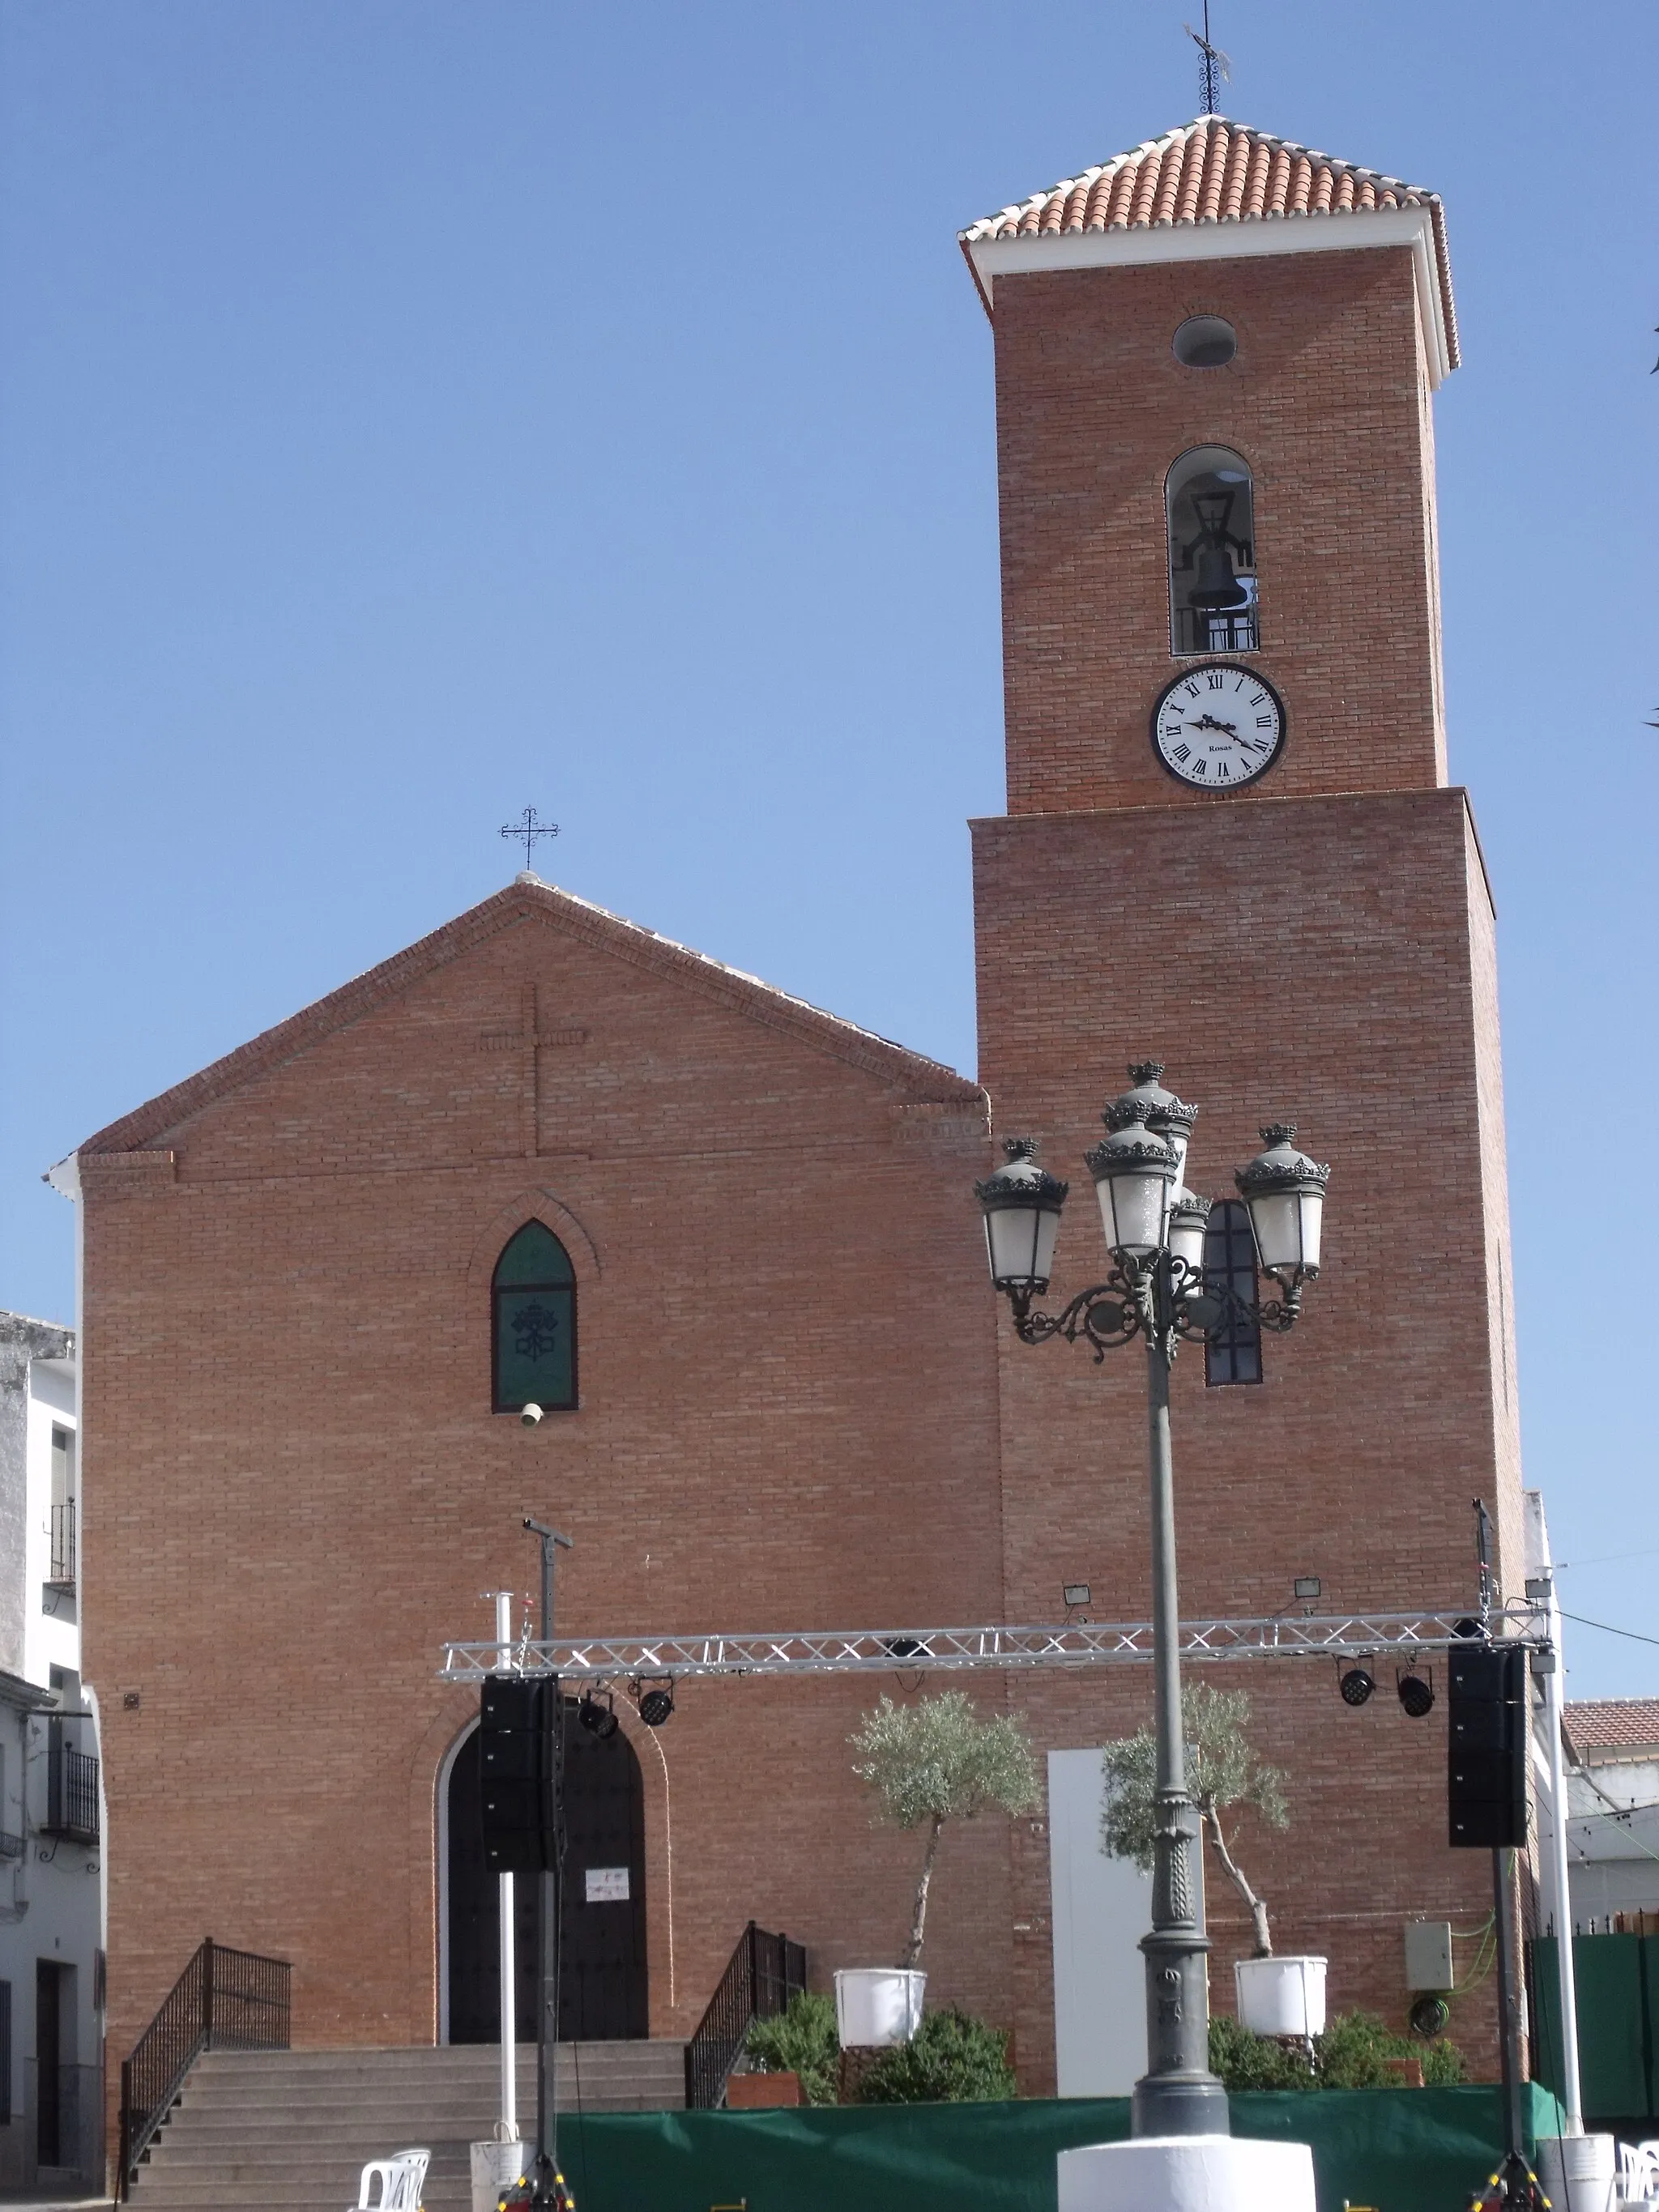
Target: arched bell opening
1212 522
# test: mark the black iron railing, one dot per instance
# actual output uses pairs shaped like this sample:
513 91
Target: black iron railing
71 1789
1210 629
764 1973
223 2000
63 1543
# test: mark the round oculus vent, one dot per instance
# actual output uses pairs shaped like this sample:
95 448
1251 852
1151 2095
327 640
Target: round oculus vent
1205 341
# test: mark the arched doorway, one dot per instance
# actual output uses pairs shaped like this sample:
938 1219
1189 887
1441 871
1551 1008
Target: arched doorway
603 1989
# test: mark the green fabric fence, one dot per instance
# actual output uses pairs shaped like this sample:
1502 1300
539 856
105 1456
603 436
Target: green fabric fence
1618 1982
1397 2150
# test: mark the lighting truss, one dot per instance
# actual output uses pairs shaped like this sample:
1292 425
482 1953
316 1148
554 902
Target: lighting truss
1081 1644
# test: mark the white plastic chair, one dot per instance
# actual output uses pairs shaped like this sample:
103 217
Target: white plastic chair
401 2179
1638 2182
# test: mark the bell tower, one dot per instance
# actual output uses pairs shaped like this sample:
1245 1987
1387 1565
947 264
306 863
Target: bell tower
1230 844
1214 363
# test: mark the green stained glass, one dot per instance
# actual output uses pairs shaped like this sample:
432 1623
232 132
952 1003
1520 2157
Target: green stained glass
534 1323
534 1255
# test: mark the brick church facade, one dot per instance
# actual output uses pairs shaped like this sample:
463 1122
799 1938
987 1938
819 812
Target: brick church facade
797 1403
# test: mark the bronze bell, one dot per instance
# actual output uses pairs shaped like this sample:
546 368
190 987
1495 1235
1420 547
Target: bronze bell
1217 585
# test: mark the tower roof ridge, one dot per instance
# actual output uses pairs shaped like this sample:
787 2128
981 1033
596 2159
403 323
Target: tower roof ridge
1027 215
1212 173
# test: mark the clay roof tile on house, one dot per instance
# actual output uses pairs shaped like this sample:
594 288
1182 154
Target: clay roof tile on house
1213 172
1600 1728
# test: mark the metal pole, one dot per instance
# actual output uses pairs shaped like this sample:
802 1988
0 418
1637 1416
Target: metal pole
546 2191
1572 2095
1509 2029
508 2129
1177 2095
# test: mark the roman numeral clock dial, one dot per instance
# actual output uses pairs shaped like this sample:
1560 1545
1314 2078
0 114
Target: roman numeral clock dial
1217 725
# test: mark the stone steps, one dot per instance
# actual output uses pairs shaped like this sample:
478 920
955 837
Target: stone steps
293 2128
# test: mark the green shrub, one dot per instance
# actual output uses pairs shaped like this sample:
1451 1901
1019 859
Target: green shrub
802 2040
1353 2049
952 2059
1350 2055
1245 2060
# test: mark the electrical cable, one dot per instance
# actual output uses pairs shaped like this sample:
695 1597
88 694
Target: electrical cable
1607 1628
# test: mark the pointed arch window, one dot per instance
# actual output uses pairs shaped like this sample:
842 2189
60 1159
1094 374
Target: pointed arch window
533 1323
1212 517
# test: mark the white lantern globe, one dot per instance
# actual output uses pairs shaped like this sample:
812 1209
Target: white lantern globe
1189 1216
1135 1174
1022 1205
1285 1191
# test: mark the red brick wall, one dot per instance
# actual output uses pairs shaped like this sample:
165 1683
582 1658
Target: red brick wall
1326 399
295 1489
1313 958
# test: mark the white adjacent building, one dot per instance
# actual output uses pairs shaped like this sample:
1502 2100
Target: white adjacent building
51 1817
1613 1811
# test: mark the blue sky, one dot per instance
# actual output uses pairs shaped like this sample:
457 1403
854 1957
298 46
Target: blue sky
411 410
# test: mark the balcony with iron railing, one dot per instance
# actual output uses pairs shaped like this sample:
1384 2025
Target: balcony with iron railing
62 1574
71 1791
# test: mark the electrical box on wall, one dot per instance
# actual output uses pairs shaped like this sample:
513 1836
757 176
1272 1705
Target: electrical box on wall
1429 1955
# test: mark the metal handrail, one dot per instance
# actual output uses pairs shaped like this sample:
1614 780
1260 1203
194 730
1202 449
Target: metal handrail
763 1974
224 2000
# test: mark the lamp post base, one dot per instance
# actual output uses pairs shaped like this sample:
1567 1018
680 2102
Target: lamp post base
1162 2105
1187 2173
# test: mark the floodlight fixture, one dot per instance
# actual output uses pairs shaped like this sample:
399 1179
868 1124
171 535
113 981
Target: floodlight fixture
657 1704
1417 1693
1075 1593
1356 1683
1306 1586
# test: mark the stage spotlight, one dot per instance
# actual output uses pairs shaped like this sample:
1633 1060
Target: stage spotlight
1428 2016
600 1720
1415 1695
656 1705
1357 1685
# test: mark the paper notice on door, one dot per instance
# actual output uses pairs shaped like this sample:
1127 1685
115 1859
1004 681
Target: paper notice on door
607 1885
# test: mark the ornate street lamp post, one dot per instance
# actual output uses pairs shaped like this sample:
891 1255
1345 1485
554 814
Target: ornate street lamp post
1157 1291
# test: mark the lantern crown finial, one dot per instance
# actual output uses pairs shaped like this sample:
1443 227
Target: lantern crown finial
1164 1114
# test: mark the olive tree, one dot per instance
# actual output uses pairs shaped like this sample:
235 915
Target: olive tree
936 1761
1223 1771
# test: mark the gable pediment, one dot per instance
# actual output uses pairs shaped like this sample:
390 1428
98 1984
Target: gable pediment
506 1031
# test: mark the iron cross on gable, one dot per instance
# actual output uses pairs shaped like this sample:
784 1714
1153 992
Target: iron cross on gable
530 828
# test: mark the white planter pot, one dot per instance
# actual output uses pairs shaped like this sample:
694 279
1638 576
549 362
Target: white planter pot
496 2167
1579 2170
877 2005
1187 2173
1281 1996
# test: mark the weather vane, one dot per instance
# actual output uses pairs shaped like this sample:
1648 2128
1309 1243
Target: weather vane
1214 70
530 828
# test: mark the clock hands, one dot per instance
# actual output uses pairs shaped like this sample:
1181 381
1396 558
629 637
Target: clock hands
1209 722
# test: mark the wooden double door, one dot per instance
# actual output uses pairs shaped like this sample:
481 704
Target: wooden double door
603 1983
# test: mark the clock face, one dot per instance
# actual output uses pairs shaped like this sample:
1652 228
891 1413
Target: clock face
1217 725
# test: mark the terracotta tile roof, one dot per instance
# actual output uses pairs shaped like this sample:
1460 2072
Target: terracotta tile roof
1214 171
1613 1724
